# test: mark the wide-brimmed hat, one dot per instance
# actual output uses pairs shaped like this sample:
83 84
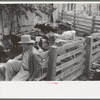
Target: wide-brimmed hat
26 39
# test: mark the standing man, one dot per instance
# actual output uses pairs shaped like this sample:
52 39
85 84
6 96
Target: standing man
29 67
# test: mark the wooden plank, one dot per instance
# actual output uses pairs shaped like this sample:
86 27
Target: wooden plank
70 53
94 58
78 18
76 24
96 64
89 42
96 50
82 21
51 73
96 43
95 35
98 26
74 76
93 23
97 20
69 45
81 31
84 29
66 14
84 18
70 70
69 63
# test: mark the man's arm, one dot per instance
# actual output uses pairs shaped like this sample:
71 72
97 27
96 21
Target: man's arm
19 57
37 59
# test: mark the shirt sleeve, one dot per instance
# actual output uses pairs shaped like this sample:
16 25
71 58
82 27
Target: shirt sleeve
37 63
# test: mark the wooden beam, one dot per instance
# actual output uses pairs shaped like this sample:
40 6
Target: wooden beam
51 73
89 41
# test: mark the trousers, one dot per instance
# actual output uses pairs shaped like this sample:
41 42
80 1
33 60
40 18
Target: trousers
15 71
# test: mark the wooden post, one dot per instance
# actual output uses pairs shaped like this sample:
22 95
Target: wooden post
74 15
93 24
51 73
89 42
74 20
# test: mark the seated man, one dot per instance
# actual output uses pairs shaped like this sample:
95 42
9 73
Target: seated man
29 67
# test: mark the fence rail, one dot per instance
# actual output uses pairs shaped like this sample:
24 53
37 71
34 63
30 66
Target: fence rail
82 23
92 50
66 62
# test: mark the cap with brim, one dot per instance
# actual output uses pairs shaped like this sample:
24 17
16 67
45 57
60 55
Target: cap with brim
26 39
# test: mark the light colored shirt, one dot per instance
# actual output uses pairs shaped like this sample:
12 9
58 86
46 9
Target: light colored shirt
25 60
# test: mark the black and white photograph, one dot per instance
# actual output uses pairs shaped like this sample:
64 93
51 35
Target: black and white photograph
50 42
56 44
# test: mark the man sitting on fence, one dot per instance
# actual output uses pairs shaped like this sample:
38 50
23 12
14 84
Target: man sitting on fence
29 68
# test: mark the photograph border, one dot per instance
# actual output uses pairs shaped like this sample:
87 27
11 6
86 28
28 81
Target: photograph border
95 85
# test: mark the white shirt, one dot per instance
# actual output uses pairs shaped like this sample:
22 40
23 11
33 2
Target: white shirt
25 60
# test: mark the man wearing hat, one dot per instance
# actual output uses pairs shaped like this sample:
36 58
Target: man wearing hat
29 67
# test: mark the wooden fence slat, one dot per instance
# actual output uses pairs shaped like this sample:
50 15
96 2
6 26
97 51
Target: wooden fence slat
70 53
95 35
96 20
76 24
70 45
66 14
93 23
95 57
97 28
76 16
71 62
81 28
84 18
51 73
96 23
81 31
83 21
74 76
70 70
96 43
96 50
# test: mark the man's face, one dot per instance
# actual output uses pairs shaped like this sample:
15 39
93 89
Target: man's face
25 46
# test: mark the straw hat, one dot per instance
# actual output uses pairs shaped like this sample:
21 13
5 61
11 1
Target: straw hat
26 39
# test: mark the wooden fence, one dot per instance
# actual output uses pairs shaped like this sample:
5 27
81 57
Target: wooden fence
92 50
71 61
83 25
66 62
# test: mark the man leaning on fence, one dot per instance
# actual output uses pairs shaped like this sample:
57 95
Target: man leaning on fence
28 68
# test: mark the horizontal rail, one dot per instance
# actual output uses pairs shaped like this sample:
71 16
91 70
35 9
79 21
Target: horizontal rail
71 62
70 70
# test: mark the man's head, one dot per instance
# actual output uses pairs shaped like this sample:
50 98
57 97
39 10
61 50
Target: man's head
26 41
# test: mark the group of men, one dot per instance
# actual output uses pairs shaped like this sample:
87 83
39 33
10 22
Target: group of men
27 66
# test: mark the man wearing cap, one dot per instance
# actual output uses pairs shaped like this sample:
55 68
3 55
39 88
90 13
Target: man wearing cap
29 67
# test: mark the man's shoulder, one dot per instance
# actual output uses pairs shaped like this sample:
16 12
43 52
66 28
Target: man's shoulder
35 52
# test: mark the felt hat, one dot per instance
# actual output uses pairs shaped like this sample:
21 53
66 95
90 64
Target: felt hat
26 39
